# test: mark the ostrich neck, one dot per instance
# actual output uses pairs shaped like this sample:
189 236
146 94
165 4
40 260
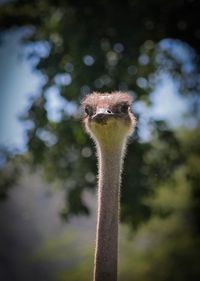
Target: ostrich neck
110 165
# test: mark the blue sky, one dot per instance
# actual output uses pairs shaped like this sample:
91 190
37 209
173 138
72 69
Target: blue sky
18 82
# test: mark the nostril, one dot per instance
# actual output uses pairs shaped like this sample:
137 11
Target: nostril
102 114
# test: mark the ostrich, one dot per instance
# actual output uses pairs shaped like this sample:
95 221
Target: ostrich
109 121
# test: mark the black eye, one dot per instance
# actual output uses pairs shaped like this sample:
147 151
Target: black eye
122 108
88 110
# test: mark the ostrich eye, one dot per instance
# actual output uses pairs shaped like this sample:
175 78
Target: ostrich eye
123 108
88 110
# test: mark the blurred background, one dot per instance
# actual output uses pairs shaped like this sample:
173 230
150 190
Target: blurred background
53 53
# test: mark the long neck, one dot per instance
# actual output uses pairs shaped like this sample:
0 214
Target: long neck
110 165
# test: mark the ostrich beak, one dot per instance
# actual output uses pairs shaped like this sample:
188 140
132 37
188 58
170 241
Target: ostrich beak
102 113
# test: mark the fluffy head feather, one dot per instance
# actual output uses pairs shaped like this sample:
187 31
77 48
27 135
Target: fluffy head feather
108 117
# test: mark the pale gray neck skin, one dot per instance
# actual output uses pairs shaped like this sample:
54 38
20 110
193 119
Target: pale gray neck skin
106 253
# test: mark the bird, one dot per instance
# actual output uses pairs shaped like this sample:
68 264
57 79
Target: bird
109 121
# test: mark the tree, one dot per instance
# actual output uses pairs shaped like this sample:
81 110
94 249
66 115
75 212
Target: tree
104 46
167 246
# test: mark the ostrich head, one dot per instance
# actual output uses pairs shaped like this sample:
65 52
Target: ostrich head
108 118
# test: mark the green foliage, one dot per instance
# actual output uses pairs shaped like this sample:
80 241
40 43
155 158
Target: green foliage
70 249
166 247
9 172
105 46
